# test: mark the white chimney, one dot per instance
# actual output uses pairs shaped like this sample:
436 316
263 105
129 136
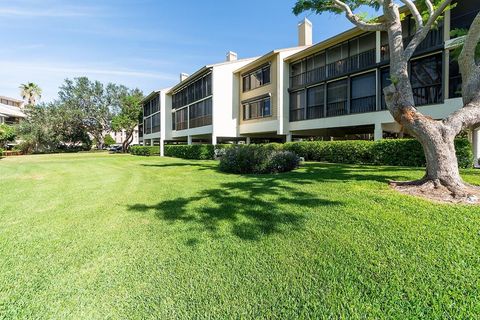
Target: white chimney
231 56
183 76
305 33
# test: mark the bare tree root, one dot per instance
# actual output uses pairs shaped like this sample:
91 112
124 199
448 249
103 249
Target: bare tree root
439 191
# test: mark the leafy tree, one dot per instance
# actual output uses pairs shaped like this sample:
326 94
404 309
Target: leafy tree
30 92
93 102
436 136
129 116
7 134
108 140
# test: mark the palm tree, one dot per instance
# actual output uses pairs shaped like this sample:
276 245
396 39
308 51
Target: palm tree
30 92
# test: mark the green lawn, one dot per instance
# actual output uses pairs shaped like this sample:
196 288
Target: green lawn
91 236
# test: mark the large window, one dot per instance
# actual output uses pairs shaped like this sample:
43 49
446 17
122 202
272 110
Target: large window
196 90
256 78
337 98
455 80
181 119
426 79
257 109
201 113
297 105
156 122
315 102
363 93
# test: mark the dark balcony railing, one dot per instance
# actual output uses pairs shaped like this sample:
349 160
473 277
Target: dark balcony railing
201 121
336 109
433 39
181 125
297 80
316 75
365 104
350 64
315 112
428 94
297 114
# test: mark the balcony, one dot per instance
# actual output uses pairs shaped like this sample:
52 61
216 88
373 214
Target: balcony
201 121
364 104
183 125
338 68
351 64
297 114
431 94
335 109
433 39
315 112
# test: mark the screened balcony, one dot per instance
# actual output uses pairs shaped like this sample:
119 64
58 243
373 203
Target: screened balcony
351 64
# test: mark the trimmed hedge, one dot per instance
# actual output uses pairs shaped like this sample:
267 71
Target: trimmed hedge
245 159
195 151
145 151
394 152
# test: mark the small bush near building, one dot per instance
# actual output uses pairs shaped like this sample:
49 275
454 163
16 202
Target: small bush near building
257 159
145 151
194 151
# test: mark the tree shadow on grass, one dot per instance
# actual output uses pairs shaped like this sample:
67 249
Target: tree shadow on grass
260 205
249 210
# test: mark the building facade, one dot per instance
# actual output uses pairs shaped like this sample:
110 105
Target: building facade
332 90
11 110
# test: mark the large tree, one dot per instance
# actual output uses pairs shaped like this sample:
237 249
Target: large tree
128 117
95 103
442 176
30 92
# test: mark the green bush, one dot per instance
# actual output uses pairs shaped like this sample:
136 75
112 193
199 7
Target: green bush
194 151
394 152
257 159
145 151
1 152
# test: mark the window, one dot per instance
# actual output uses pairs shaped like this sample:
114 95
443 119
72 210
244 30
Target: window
156 122
200 113
384 82
257 109
256 78
426 79
196 90
181 119
455 80
297 105
337 98
363 95
315 102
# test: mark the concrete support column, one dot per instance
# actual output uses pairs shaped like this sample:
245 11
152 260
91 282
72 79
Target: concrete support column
162 152
476 147
214 139
189 140
378 45
378 133
248 140
288 138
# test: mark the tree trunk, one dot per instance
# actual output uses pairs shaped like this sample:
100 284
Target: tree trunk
127 142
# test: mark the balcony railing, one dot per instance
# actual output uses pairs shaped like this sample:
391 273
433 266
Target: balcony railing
360 61
433 39
201 121
428 94
336 109
297 114
315 112
350 64
181 125
365 104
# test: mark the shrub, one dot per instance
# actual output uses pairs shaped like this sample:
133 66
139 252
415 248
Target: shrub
394 152
194 151
257 159
144 151
1 152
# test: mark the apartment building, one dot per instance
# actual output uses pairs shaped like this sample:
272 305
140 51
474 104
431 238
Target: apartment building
262 115
11 110
336 87
120 136
204 106
157 124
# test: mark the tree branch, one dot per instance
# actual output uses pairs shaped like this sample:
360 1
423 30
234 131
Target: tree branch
466 117
353 18
467 56
422 32
415 13
429 5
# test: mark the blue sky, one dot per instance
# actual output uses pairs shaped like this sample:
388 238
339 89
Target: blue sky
144 43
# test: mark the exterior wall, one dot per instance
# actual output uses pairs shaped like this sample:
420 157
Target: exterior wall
119 137
268 89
